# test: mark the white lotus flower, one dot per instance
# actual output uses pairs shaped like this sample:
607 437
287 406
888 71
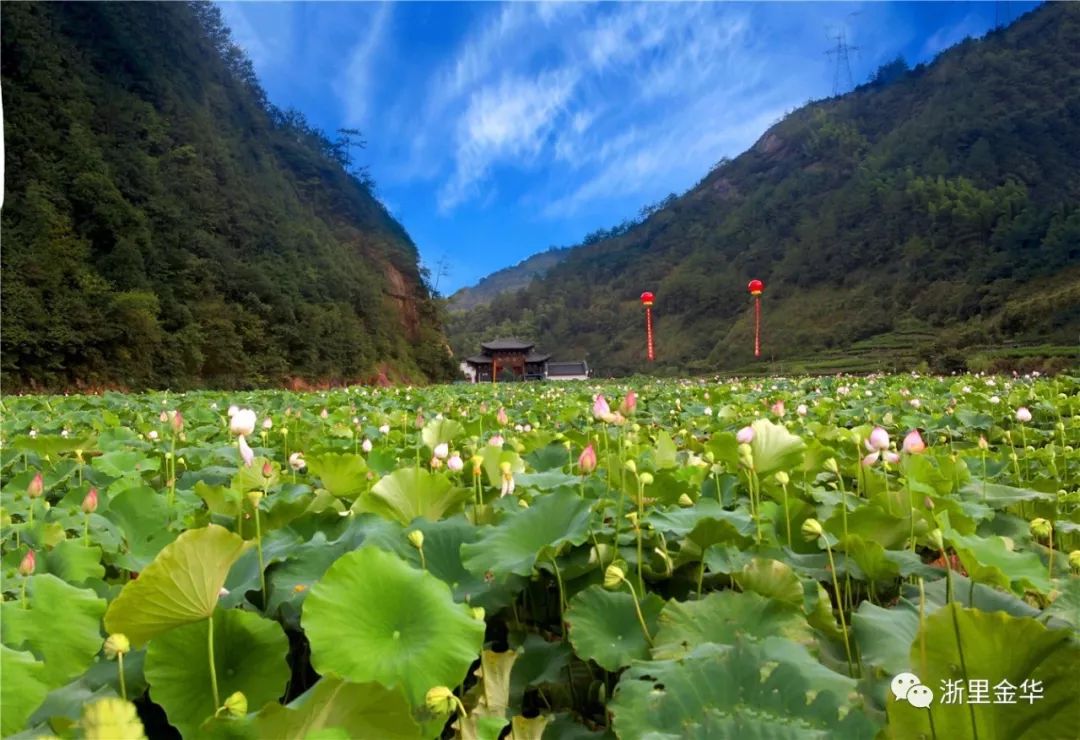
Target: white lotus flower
242 422
366 445
442 450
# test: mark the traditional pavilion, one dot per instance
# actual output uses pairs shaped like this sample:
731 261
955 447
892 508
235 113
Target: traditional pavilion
517 357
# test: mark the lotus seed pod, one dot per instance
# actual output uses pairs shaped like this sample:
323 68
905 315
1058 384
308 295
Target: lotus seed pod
255 497
1040 528
1074 559
632 517
812 529
782 478
416 539
646 479
116 644
440 700
236 705
505 468
477 613
685 500
832 466
631 466
523 503
613 576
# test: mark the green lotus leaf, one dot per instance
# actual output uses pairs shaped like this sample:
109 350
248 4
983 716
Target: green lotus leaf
251 478
99 681
140 513
494 457
437 431
997 648
774 448
737 692
74 562
871 558
549 480
344 475
989 560
62 626
124 463
539 662
771 579
51 446
374 618
335 706
1001 496
724 616
22 688
514 544
967 593
249 656
409 493
873 523
604 626
180 586
223 500
884 636
706 523
1067 604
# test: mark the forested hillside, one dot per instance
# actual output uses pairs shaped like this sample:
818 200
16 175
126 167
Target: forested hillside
165 225
507 280
930 216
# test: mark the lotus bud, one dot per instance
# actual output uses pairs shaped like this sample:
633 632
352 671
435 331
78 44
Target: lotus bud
501 417
832 466
324 414
745 435
629 403
746 455
1074 559
163 417
90 501
177 421
496 441
117 644
801 409
267 425
646 479
297 462
631 466
812 529
778 408
442 450
455 463
236 705
420 420
440 700
242 422
1023 415
366 445
983 444
587 460
416 539
384 429
600 407
1040 528
152 435
28 564
36 486
267 469
613 576
937 539
928 503
913 443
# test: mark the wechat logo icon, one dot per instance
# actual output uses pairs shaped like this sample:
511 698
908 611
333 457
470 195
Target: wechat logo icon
907 687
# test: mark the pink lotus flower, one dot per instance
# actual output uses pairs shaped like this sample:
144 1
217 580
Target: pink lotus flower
629 403
455 463
90 501
501 417
36 487
177 422
27 564
745 435
246 453
913 443
879 440
496 441
587 460
600 408
778 408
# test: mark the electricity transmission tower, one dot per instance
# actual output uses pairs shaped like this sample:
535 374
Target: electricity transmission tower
841 55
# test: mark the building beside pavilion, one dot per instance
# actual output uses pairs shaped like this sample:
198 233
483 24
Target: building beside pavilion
517 359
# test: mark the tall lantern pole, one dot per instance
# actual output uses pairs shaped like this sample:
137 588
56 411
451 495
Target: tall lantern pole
647 301
756 288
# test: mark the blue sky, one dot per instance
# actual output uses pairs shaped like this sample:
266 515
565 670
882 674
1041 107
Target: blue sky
496 130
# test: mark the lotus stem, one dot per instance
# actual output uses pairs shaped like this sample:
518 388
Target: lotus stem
840 607
213 667
86 530
120 672
562 594
787 515
640 616
259 548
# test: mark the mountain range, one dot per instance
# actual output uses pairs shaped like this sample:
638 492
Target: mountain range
930 217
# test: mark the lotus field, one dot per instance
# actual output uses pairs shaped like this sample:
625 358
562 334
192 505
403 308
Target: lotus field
782 558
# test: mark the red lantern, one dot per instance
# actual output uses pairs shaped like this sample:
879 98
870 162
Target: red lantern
647 301
756 288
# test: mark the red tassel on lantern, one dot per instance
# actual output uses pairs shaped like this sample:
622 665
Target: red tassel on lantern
647 301
756 288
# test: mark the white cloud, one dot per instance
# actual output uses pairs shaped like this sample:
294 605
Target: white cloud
355 86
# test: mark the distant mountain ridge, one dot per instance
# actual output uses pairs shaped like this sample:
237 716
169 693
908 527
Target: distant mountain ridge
931 216
164 225
507 280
